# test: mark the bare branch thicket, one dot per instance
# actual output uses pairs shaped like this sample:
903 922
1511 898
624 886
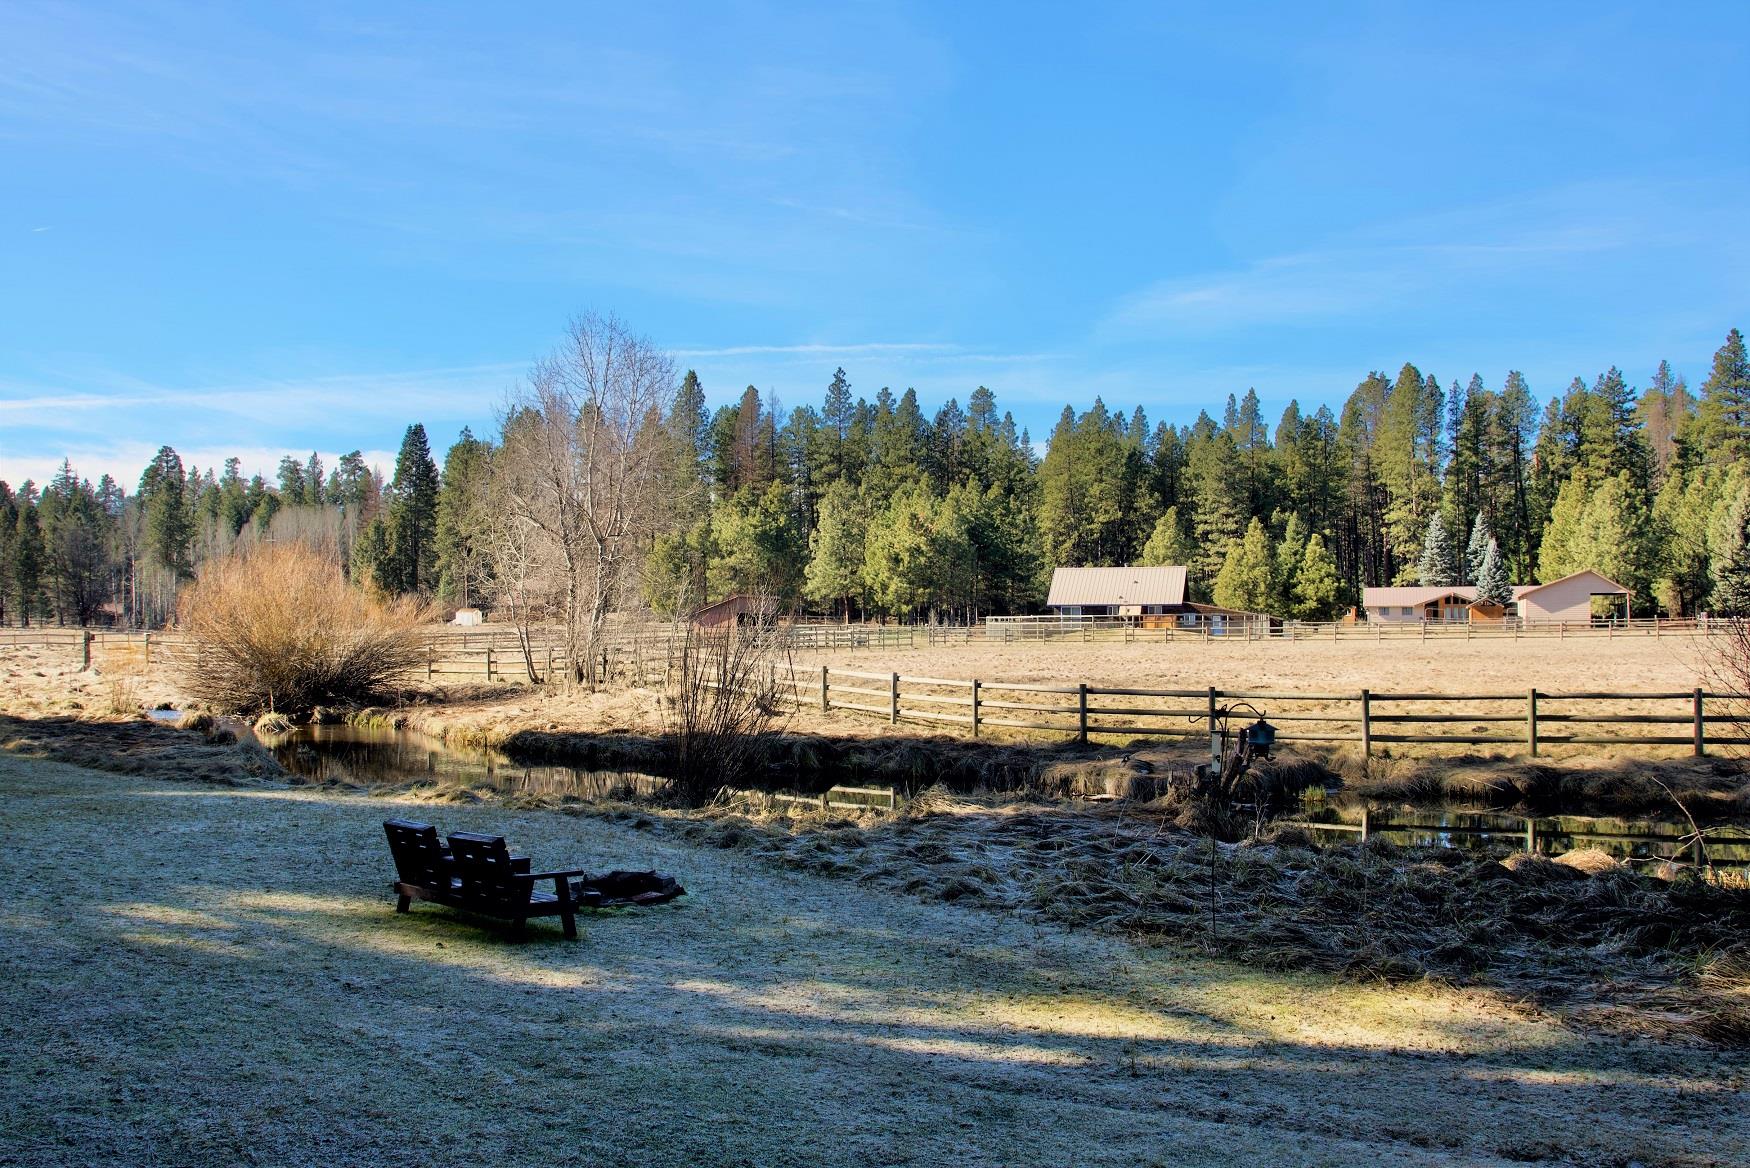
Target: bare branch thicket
724 701
584 460
277 627
521 574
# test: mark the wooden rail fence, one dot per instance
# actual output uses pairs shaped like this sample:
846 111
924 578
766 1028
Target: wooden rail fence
1694 718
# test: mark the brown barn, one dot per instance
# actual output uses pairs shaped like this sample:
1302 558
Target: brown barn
736 610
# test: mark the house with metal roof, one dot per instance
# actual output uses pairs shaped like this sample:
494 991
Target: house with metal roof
1137 591
1418 603
1574 599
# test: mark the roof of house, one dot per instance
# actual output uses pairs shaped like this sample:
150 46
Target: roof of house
1527 589
1415 594
1073 586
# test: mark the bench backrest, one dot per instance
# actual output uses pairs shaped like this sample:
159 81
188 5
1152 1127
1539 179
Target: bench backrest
488 874
420 856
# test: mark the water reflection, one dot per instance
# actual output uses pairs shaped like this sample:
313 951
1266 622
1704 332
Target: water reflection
353 754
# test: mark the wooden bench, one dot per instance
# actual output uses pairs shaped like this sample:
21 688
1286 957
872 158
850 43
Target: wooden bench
477 874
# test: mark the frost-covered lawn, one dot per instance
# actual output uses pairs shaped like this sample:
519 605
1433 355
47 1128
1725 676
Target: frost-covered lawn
204 976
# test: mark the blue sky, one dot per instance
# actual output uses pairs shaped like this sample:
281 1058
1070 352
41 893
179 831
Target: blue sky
253 228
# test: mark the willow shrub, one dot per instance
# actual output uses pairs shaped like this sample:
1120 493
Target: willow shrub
280 628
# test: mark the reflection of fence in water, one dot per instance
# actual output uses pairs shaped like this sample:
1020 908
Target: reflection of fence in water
1626 839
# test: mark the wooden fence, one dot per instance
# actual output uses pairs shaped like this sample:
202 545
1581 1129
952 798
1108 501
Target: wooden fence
1695 719
1118 630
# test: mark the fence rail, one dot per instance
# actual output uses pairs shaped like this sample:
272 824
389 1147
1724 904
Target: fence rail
1199 627
1536 719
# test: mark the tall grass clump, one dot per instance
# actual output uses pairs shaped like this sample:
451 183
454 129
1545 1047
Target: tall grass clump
280 628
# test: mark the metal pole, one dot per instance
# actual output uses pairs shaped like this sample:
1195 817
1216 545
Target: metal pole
1082 713
825 701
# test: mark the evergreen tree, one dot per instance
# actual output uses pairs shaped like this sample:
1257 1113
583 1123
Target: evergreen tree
1439 564
1248 579
1723 421
1476 549
460 530
169 529
1168 543
371 564
1492 582
412 525
1731 555
835 550
1316 589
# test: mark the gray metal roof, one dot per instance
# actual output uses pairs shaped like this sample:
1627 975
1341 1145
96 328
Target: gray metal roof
1162 585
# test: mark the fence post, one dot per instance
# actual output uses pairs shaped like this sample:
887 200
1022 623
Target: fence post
825 701
1366 724
548 676
1531 835
1082 713
1700 726
1214 733
85 649
975 687
148 648
1365 824
893 699
489 663
1531 721
430 654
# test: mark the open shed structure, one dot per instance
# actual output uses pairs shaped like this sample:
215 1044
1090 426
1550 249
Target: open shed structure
1577 599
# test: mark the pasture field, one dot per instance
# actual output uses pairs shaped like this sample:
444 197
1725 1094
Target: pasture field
214 976
1450 664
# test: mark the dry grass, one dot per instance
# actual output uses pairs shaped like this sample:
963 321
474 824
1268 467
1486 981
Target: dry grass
279 628
168 1002
1587 939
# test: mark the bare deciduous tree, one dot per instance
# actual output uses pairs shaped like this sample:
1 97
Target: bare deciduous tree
582 463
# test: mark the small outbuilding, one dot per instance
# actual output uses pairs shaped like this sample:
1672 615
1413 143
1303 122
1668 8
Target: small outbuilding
1576 599
468 616
736 610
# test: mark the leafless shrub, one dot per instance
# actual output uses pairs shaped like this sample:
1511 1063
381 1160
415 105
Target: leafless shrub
279 628
1727 669
724 702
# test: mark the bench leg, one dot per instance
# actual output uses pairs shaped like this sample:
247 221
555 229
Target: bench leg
401 903
569 920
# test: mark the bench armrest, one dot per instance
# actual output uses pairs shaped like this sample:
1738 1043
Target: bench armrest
566 875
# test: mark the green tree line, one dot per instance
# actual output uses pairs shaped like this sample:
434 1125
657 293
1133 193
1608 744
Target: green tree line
861 508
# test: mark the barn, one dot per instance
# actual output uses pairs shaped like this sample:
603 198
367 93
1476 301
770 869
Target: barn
735 610
1575 599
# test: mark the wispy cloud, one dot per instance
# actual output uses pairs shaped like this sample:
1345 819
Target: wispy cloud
1461 252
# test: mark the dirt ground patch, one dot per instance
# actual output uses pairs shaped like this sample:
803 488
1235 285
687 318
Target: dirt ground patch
214 976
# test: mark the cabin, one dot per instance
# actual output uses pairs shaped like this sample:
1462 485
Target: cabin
1577 599
1135 592
1446 603
736 610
